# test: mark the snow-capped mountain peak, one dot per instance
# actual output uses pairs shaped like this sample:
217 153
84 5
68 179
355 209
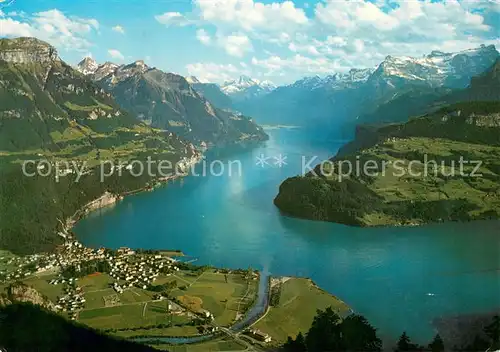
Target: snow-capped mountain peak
335 81
105 69
245 87
87 66
438 68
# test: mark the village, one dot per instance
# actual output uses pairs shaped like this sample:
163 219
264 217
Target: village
148 294
73 260
75 275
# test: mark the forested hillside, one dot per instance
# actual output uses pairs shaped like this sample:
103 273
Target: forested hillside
444 166
51 112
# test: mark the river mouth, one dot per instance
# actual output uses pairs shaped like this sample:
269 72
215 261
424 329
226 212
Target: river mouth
399 278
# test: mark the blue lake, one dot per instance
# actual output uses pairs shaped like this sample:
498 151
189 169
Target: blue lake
399 278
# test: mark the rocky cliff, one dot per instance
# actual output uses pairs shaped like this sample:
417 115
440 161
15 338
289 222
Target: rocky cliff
21 293
27 50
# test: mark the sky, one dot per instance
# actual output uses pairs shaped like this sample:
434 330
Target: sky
279 41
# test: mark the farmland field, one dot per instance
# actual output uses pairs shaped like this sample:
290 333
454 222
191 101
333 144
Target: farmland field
224 300
299 299
126 316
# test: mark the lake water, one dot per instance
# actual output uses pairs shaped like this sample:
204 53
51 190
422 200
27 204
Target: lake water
399 278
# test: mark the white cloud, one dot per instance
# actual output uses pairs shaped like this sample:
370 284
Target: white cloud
203 37
340 34
13 28
15 14
53 26
306 48
115 54
173 19
235 44
406 20
212 72
118 29
248 18
65 25
250 15
299 63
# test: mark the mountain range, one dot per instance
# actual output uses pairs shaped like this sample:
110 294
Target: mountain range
168 101
466 124
47 105
398 86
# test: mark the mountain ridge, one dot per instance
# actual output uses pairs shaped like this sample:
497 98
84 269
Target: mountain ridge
51 113
168 101
469 128
325 102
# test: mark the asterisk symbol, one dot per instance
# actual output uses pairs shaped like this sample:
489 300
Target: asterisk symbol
262 160
280 160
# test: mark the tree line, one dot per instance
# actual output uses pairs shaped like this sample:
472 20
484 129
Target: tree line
330 333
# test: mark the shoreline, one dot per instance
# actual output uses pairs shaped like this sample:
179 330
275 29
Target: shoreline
70 222
278 127
108 199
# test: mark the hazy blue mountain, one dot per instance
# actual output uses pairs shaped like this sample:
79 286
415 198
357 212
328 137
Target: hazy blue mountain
346 97
212 92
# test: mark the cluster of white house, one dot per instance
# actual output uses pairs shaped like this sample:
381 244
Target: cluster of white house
138 270
72 300
29 265
70 252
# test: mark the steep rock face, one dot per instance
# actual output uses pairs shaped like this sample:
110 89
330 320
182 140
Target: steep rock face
27 50
104 70
21 293
167 101
41 95
487 85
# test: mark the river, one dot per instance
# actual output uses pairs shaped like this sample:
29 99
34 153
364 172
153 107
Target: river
399 278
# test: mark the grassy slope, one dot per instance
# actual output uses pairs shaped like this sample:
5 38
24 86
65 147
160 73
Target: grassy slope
298 303
387 199
222 299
